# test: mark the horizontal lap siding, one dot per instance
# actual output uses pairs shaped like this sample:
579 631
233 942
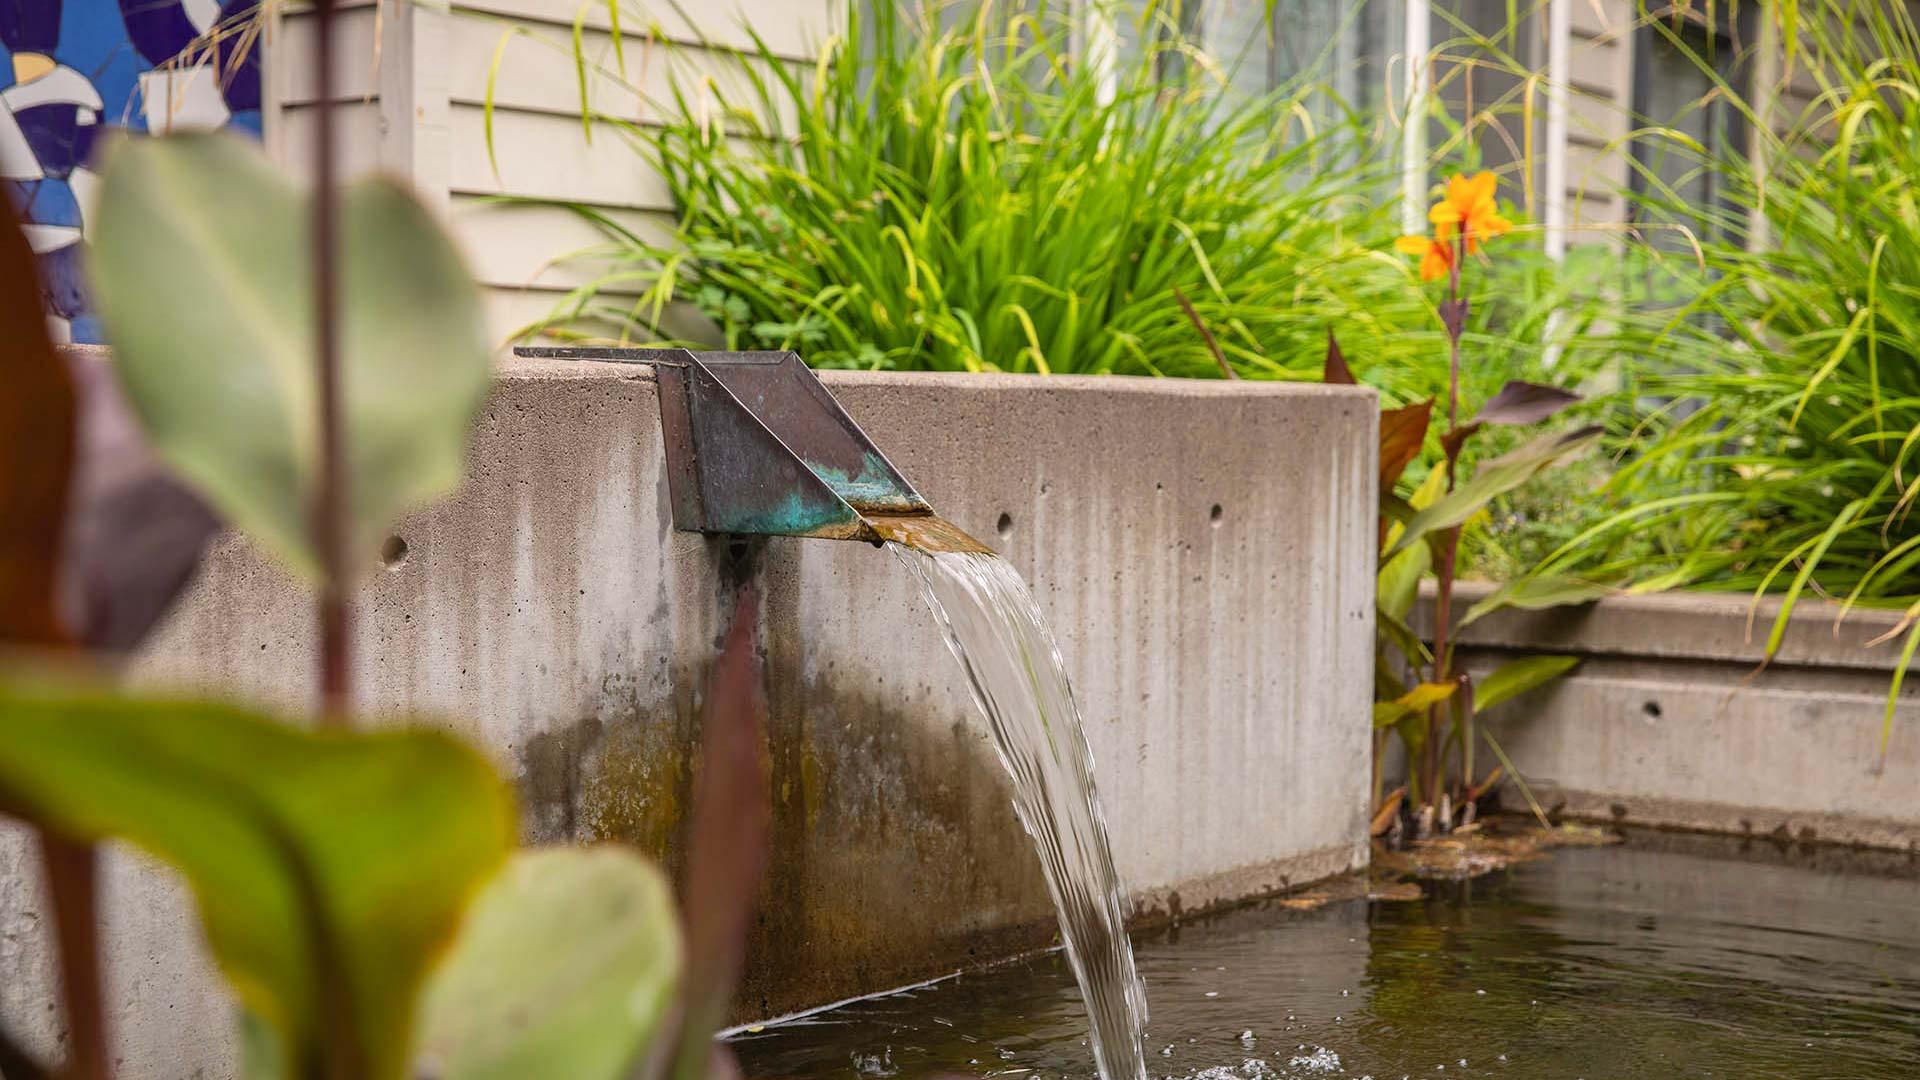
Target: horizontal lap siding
541 150
412 87
1600 100
362 74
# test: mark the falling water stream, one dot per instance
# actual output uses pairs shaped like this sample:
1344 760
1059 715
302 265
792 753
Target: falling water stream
1019 681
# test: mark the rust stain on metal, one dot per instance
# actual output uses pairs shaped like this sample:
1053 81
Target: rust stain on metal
928 532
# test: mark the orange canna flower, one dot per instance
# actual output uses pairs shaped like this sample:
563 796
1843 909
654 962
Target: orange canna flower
1469 207
1436 258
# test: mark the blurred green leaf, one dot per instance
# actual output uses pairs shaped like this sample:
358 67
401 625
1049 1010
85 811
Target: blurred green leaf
1536 592
564 970
1516 677
1491 479
1394 630
329 868
1399 581
202 264
1412 703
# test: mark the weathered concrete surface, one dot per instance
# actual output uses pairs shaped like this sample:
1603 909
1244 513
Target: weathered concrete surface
1204 550
1670 720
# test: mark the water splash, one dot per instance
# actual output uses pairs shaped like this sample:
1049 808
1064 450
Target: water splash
1019 681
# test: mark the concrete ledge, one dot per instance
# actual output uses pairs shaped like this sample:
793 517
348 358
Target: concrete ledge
1670 720
1204 550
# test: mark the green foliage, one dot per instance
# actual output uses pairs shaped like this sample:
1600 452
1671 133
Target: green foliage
329 869
945 190
1778 410
1490 480
1516 677
219 362
565 968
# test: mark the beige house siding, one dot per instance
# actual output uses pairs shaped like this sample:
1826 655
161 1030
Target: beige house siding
413 83
1600 108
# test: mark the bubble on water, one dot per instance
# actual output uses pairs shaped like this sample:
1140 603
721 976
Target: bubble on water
1320 1059
1346 993
1005 1054
1167 1050
1480 993
1247 1036
880 1064
1213 993
1250 1069
1463 1063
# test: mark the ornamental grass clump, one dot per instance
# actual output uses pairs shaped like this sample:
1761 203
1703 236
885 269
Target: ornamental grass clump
947 188
1780 407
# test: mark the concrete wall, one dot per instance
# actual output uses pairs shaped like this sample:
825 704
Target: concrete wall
1669 720
551 612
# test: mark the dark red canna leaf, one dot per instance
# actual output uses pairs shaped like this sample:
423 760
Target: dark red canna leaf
1402 432
36 450
1336 373
1521 402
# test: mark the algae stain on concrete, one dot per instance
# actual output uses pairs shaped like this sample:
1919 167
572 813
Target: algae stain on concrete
896 853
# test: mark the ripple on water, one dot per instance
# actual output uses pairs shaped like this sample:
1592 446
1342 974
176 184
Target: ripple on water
1664 958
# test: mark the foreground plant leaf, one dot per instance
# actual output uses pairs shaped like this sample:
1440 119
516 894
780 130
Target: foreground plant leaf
202 266
1492 479
36 449
728 838
134 534
564 969
328 868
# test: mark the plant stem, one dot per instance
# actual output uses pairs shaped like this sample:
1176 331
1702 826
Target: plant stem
1454 327
1450 539
71 882
330 510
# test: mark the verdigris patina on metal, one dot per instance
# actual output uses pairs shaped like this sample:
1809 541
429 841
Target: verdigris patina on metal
756 446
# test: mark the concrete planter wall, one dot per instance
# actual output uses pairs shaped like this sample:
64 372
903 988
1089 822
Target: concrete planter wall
1204 549
1670 721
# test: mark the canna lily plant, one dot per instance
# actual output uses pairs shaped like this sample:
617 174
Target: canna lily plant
1422 696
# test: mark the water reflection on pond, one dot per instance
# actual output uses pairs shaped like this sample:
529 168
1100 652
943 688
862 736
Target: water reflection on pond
1670 957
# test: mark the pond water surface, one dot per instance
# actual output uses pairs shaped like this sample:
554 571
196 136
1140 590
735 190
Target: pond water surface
1669 957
